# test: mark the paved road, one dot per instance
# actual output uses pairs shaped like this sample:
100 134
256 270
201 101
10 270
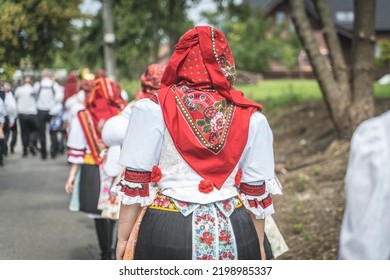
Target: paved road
35 223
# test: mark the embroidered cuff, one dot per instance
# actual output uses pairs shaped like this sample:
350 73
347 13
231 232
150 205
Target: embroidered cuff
257 198
137 187
75 156
132 193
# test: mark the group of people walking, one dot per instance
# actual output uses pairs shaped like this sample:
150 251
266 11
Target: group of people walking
32 106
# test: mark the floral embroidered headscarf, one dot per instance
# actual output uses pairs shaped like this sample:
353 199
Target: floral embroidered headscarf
150 80
206 117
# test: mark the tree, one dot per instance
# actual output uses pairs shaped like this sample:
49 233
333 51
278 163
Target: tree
141 27
347 91
253 40
36 29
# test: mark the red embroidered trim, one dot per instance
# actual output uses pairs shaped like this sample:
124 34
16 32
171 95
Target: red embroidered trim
263 204
237 179
137 177
133 192
252 190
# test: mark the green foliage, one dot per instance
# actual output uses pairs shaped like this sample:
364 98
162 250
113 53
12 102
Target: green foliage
37 30
384 58
140 27
254 41
8 71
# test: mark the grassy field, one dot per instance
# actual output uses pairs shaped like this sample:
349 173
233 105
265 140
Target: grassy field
275 93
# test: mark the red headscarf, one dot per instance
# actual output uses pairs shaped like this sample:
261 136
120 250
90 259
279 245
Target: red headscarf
104 102
71 86
207 118
150 80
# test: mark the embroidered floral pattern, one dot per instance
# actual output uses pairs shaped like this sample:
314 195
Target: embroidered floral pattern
208 114
213 236
205 232
228 70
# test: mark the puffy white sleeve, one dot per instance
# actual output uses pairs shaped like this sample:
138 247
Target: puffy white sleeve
140 153
144 136
76 143
257 165
365 229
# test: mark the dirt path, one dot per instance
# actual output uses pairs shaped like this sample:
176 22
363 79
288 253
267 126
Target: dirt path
311 164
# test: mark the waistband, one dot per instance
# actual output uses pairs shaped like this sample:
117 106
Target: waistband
166 203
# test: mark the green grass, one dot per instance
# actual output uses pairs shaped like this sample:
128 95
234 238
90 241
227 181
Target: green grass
275 93
280 93
131 87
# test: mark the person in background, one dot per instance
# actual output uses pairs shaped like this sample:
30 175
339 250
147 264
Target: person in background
26 105
12 129
10 119
365 228
199 162
49 99
86 152
71 86
3 114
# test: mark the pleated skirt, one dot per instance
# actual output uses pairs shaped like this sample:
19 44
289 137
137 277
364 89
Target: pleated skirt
89 188
165 235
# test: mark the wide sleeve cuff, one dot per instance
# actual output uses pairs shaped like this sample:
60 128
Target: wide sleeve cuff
75 156
136 187
257 198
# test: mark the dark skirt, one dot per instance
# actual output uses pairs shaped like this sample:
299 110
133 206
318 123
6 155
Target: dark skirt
89 188
165 235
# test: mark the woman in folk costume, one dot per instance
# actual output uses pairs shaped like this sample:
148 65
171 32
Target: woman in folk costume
86 151
114 130
200 165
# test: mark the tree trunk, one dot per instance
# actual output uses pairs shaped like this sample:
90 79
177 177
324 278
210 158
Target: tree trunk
335 96
349 100
362 106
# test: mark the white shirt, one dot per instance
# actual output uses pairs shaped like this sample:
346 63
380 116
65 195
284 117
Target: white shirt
148 143
365 230
26 102
10 106
3 113
46 98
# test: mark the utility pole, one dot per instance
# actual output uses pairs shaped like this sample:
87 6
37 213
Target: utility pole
109 40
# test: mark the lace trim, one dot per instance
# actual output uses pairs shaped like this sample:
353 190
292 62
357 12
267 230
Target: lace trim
273 186
261 207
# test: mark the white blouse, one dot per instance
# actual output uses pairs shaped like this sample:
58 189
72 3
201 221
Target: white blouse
148 143
365 229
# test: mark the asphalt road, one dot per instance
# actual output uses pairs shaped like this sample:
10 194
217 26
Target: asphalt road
35 223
